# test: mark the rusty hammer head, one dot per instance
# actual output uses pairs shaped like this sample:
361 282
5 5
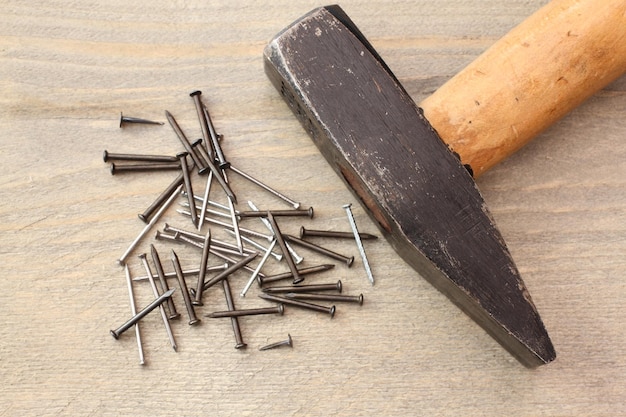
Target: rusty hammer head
419 193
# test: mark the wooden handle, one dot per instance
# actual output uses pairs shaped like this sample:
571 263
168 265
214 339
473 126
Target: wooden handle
530 78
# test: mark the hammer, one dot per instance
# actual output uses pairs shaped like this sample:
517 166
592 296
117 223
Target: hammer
412 166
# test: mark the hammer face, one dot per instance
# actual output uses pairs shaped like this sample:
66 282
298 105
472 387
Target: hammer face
425 202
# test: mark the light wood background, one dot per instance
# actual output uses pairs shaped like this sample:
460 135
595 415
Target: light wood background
67 68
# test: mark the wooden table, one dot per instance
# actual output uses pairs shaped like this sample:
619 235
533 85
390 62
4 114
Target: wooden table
68 69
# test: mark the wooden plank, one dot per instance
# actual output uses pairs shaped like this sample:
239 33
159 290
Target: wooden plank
66 72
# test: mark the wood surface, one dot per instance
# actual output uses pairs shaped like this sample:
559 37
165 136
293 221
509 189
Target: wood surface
68 68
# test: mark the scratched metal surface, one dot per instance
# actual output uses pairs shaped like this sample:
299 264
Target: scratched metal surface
68 69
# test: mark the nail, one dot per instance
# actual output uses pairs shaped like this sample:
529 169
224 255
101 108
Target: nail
283 247
207 190
254 275
157 166
326 297
287 342
276 213
202 167
267 188
154 304
201 151
329 233
129 119
217 244
204 124
233 217
219 176
239 343
231 269
359 244
316 248
183 288
148 226
298 303
297 258
186 273
133 311
166 322
108 156
257 245
230 226
215 248
206 210
279 309
145 216
219 254
305 288
215 140
288 275
188 186
203 263
161 274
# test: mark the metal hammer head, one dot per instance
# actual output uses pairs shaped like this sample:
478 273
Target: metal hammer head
423 199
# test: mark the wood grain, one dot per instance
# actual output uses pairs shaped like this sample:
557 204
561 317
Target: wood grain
68 68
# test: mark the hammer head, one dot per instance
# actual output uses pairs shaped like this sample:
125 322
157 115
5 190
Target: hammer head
422 198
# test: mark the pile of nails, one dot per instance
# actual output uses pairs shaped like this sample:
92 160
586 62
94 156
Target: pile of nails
204 157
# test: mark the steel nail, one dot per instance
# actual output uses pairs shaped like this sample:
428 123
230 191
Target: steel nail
283 247
305 288
202 152
257 245
230 226
288 275
129 119
239 343
331 233
319 249
359 244
228 271
202 167
133 311
279 309
207 190
188 186
326 297
155 290
288 342
217 244
147 309
187 272
278 213
204 123
258 269
203 263
109 156
207 210
145 216
157 166
146 229
298 303
297 258
215 140
267 188
193 319
161 274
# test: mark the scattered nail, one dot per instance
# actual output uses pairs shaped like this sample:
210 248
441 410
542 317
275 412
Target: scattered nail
359 244
129 119
288 342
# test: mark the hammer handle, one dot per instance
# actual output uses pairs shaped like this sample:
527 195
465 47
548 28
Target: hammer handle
533 76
